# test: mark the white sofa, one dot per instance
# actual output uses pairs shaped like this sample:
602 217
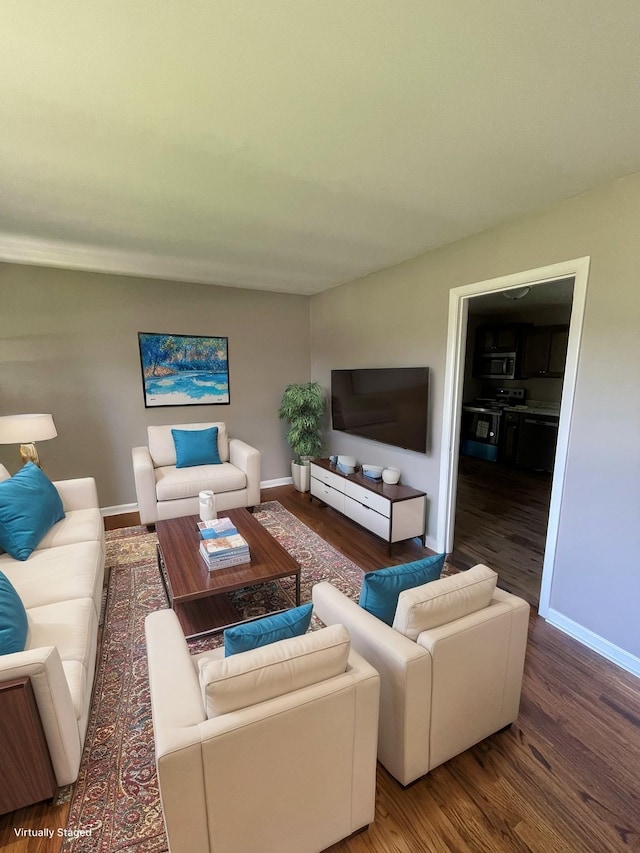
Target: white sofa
445 688
60 585
272 749
164 491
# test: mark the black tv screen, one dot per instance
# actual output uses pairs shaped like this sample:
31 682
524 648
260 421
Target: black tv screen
386 404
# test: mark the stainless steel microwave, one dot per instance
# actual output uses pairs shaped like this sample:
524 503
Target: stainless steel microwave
496 365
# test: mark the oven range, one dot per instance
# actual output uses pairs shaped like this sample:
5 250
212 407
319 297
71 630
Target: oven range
482 422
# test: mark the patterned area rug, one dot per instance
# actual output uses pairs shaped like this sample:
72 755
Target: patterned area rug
115 802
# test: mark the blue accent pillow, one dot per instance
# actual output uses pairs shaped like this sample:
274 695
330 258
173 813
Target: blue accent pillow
261 632
13 619
380 589
29 506
196 447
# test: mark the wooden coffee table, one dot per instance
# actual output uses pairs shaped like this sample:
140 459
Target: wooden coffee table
198 596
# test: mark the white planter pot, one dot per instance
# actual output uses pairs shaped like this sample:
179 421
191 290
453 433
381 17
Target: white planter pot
301 474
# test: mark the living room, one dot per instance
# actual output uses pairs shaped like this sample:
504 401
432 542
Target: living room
84 327
69 347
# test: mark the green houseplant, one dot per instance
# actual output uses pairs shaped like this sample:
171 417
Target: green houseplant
302 407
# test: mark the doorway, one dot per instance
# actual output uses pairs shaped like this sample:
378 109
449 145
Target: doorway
515 356
456 365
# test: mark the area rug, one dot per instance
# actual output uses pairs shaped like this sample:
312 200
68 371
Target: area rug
115 804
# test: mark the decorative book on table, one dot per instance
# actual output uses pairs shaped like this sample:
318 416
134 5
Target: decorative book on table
216 527
224 551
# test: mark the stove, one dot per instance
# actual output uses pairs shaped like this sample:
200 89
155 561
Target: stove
481 422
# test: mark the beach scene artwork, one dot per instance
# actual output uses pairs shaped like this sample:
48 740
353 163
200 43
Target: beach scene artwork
184 370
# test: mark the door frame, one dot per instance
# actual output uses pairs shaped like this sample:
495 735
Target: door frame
453 384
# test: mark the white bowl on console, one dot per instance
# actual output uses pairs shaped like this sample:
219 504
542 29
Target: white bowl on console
347 464
391 476
372 471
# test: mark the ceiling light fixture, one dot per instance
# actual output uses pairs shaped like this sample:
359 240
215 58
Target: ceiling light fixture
516 292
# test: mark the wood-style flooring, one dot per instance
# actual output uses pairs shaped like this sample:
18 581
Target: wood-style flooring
563 779
501 520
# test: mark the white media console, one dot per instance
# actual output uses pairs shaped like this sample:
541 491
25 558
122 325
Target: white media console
393 513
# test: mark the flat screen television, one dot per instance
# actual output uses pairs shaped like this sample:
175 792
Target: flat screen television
386 404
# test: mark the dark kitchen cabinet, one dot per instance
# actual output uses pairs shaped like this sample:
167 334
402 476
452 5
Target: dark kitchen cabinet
545 352
509 443
558 344
537 439
502 337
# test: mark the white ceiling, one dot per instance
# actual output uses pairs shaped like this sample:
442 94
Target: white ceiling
293 146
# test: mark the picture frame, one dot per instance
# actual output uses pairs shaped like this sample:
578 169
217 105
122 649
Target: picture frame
184 370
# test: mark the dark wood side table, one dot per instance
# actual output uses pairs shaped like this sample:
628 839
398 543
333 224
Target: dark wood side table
27 774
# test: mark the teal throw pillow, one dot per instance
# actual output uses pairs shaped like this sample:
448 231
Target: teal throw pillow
380 589
261 632
196 447
13 619
29 506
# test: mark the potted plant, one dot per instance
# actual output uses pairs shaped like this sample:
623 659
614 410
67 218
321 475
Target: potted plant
302 406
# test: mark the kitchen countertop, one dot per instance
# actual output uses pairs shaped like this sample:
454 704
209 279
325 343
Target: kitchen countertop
534 408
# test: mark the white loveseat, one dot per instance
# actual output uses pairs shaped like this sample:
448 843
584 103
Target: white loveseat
272 749
60 585
446 687
164 491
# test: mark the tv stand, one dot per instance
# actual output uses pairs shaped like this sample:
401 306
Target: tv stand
394 513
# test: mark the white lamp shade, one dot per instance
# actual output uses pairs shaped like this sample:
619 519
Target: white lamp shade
24 429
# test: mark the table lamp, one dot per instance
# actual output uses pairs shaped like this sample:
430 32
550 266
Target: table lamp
25 430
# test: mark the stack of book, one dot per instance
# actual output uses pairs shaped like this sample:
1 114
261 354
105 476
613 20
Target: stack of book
222 546
216 527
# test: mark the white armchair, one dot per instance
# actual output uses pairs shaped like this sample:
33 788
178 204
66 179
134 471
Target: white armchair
442 688
164 491
270 749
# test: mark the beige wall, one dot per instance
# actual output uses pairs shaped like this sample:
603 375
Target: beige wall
399 317
68 345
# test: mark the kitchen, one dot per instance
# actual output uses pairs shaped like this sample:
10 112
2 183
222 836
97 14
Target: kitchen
514 367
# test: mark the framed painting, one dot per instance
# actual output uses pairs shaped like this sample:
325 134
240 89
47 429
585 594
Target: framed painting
184 370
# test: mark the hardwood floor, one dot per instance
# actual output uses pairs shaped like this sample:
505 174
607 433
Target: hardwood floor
563 779
501 520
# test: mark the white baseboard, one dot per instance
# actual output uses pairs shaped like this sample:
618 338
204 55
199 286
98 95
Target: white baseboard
118 510
593 641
